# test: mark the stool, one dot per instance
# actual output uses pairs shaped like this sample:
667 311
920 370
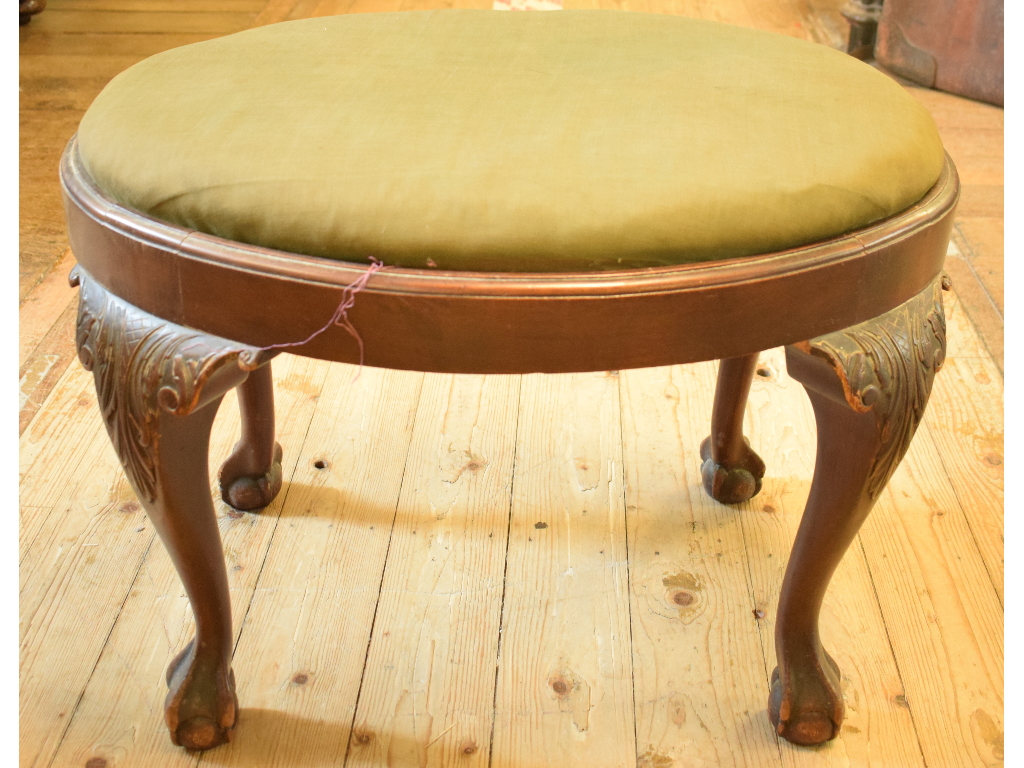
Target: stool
566 192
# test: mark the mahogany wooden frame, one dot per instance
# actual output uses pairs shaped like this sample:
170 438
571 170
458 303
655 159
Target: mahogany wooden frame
170 319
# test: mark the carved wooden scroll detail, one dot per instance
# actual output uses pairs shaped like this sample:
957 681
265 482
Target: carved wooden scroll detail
886 366
144 365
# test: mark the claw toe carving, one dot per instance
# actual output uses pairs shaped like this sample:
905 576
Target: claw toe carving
248 492
731 485
807 710
201 707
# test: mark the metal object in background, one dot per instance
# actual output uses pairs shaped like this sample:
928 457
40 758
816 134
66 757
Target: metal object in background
863 16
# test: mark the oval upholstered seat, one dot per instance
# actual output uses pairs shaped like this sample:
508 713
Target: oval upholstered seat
573 140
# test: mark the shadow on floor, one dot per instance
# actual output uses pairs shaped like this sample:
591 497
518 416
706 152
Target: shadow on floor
269 738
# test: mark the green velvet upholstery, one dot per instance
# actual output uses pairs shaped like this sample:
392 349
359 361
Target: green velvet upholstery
571 140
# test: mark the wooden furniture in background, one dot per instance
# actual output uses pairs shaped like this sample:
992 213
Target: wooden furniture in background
951 45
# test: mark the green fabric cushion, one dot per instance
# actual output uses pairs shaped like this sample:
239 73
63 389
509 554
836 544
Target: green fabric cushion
470 139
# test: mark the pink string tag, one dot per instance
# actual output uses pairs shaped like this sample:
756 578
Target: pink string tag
340 316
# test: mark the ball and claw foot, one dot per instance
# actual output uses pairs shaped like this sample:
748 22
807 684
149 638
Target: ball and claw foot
201 708
731 485
246 492
813 712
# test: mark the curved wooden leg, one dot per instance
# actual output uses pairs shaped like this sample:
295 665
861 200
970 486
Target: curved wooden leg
251 476
868 385
731 470
201 707
159 386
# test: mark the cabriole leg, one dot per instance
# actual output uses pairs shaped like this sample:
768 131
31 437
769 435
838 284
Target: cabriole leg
868 386
251 477
201 707
731 471
159 386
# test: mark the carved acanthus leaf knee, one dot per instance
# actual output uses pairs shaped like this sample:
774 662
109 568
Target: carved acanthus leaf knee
886 366
143 366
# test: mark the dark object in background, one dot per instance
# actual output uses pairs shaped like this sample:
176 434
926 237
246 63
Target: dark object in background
26 9
952 45
863 16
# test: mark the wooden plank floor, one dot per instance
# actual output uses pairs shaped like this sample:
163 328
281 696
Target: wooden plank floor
468 570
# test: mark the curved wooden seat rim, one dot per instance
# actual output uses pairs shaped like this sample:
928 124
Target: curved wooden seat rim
507 322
